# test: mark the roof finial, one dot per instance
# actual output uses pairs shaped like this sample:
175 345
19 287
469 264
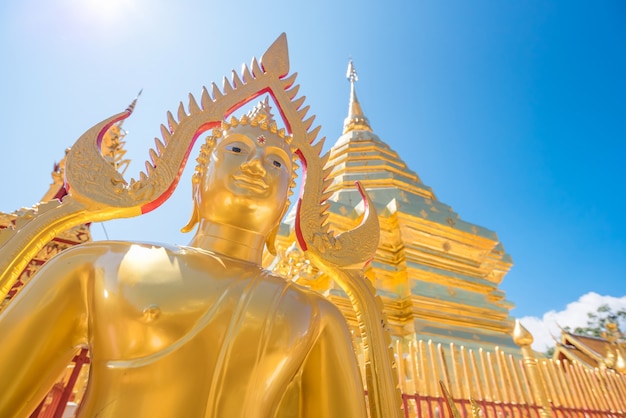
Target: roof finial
131 106
351 74
356 120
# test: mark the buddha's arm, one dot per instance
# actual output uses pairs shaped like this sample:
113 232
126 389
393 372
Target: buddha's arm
39 332
331 382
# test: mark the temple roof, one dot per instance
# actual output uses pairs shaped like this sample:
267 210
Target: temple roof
592 351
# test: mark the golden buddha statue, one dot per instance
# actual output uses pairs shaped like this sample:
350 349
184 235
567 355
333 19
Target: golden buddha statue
202 330
197 331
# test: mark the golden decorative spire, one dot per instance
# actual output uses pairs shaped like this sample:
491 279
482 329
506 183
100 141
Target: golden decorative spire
521 335
356 120
523 338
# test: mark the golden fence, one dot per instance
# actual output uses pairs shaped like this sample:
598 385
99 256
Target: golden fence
502 385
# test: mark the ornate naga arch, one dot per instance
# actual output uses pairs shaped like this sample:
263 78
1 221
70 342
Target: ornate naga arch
97 192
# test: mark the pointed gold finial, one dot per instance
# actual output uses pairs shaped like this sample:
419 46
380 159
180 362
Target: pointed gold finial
476 411
454 411
356 120
521 335
351 73
523 338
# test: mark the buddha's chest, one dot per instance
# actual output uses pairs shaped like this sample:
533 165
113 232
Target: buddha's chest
142 315
221 352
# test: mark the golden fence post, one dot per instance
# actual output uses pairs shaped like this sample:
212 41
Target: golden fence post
456 369
400 368
480 393
523 338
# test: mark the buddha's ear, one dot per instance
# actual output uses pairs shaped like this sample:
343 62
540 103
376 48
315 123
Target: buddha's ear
198 176
270 241
195 218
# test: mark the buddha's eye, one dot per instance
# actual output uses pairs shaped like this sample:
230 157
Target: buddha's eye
277 163
236 149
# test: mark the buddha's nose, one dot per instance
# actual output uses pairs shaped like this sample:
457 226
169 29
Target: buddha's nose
254 165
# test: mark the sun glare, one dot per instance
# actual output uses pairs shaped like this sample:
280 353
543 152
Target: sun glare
102 15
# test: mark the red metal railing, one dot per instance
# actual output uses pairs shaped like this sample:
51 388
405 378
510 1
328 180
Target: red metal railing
55 403
435 407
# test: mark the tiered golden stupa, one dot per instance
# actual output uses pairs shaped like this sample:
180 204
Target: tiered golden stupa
437 274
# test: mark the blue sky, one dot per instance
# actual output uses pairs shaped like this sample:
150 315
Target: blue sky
513 112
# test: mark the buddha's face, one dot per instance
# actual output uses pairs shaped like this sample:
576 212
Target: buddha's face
247 180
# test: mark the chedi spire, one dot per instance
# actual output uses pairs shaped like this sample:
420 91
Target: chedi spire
356 120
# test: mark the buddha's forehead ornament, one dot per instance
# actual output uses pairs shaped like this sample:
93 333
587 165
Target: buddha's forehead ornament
97 192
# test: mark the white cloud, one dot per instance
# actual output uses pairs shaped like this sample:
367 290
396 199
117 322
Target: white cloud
574 315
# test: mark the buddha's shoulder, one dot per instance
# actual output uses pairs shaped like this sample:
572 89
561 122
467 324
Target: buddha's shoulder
99 254
298 300
100 247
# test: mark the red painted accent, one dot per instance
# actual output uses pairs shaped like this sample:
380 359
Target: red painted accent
298 231
280 110
366 211
61 193
365 203
123 115
249 99
299 236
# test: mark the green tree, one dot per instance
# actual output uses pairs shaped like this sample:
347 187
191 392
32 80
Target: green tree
596 322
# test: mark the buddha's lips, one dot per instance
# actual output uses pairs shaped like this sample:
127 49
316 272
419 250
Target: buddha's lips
254 182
